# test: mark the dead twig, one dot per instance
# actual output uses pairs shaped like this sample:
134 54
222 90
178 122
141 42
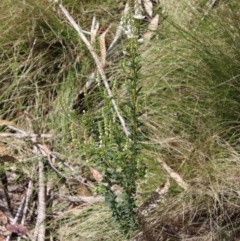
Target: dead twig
173 174
46 152
27 199
40 230
39 233
25 135
17 216
98 64
151 204
78 177
87 199
109 52
4 207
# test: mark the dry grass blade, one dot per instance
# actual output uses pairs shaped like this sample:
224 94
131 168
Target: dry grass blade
94 29
118 34
6 123
103 46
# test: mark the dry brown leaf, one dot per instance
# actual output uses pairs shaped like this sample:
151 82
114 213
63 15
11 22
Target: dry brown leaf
96 174
103 49
16 228
98 177
3 150
3 218
147 35
148 7
45 151
83 190
117 189
153 25
6 123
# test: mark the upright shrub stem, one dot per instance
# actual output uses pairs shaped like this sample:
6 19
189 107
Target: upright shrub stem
117 155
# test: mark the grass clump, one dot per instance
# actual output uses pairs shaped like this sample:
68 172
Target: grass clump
192 118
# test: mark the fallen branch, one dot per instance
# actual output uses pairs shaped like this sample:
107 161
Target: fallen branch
78 177
40 229
40 223
173 174
46 152
151 204
25 135
110 50
87 199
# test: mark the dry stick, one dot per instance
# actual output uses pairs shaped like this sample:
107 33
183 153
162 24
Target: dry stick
17 129
78 177
98 63
25 135
46 152
28 195
20 208
211 5
94 29
41 204
17 216
27 199
173 174
158 196
110 50
87 199
39 232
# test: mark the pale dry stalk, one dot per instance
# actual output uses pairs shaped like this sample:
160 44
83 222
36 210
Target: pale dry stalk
98 64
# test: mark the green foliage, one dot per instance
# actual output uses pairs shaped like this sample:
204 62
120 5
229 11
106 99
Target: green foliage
105 145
